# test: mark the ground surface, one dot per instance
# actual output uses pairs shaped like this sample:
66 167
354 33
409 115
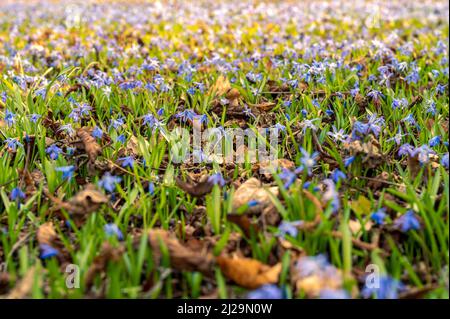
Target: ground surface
93 204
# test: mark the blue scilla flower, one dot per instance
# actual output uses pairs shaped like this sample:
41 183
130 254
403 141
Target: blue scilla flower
337 175
268 291
48 251
67 171
289 228
97 132
288 177
108 182
13 143
121 139
349 160
379 216
151 188
127 161
217 179
435 141
53 151
16 194
308 160
35 117
408 221
113 230
444 160
10 117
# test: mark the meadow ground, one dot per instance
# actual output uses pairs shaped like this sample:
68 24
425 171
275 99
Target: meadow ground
105 191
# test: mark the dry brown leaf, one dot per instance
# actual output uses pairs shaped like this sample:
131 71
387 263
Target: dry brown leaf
253 190
264 106
248 273
87 201
46 234
181 257
88 144
221 86
82 204
233 96
195 189
267 168
133 146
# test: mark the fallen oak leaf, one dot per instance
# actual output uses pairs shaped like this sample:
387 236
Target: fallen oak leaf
46 234
181 257
220 87
82 203
89 144
267 168
264 106
199 189
253 190
249 273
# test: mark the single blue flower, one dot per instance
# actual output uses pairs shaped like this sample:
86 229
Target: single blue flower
379 216
435 141
16 194
217 179
337 175
10 117
127 161
121 139
444 160
108 182
406 149
151 188
117 123
113 230
191 90
67 171
288 177
53 151
289 228
149 119
252 203
348 161
13 143
97 132
279 127
308 160
35 117
186 115
408 221
48 251
268 291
